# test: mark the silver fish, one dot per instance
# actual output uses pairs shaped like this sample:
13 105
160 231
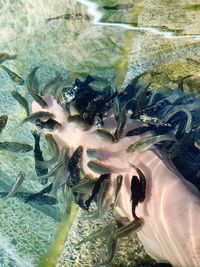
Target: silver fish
99 167
118 185
104 134
22 101
147 142
14 77
19 181
104 232
6 56
44 115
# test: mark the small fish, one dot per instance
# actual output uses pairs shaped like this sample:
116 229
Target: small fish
33 197
181 82
14 77
48 163
138 188
104 134
104 232
139 130
78 120
84 186
19 181
99 167
112 248
38 99
129 228
15 147
44 179
102 196
45 200
98 120
38 155
22 101
118 185
119 6
52 85
120 124
44 115
68 16
177 109
33 88
61 176
96 188
3 121
50 124
6 56
32 82
74 166
147 142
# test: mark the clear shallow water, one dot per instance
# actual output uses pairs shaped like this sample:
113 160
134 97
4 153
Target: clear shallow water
74 48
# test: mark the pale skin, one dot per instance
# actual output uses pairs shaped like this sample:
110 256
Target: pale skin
171 209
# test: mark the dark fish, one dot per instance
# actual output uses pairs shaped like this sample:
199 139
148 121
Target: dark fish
6 56
15 147
68 16
14 77
19 181
50 124
35 196
52 172
22 101
33 88
96 188
139 130
138 188
105 135
48 163
3 121
119 6
181 82
45 200
74 166
38 155
99 167
44 115
118 185
147 142
102 196
176 110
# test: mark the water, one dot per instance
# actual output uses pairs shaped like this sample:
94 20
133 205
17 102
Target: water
114 45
